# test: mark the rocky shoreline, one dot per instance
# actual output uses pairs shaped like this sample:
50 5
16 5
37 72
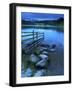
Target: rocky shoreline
39 60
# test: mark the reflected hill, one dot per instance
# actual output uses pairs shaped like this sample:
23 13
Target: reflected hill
43 23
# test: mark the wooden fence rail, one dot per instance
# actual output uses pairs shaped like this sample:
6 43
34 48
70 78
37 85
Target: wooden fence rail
31 40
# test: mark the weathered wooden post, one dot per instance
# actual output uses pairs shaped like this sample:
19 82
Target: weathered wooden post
37 38
33 35
43 35
33 40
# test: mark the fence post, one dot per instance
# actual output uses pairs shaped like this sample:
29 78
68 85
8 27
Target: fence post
37 37
33 35
33 41
43 36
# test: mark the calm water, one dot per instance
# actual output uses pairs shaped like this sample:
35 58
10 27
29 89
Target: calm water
50 35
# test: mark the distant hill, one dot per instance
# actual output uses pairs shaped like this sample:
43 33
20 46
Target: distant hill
58 22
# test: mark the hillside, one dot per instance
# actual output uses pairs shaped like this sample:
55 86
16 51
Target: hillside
43 23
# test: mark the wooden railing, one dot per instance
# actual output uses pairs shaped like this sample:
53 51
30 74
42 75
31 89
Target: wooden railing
31 40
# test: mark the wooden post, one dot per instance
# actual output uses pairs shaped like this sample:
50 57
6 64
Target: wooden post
37 37
33 35
33 41
43 36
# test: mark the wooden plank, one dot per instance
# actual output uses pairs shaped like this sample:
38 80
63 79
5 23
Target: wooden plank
26 35
27 39
25 32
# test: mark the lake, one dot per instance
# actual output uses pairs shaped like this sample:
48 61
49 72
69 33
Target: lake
51 35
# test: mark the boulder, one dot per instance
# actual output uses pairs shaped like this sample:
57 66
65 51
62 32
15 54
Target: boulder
43 60
34 58
41 63
43 57
45 52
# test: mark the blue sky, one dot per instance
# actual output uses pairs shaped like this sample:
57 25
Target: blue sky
40 16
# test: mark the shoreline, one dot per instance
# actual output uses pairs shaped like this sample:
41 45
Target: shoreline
41 26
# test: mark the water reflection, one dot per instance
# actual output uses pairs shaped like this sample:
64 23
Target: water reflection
50 35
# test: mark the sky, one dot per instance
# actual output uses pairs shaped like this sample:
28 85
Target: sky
40 16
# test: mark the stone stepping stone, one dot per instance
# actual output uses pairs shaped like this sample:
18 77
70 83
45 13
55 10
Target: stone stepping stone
43 49
41 63
43 60
34 58
43 57
40 73
45 52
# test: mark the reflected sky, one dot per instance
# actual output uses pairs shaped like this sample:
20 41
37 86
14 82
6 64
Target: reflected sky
40 16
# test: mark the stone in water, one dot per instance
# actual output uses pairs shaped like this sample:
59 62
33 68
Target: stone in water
41 63
44 52
42 56
33 58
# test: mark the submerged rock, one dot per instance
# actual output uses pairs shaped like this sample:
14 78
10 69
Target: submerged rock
44 45
28 72
53 48
34 58
40 73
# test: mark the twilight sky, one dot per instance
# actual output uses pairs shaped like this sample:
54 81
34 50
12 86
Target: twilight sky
40 16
